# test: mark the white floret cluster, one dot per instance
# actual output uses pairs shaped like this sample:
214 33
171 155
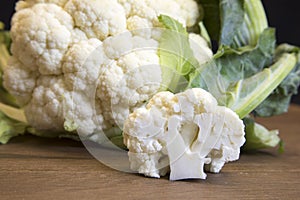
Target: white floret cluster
76 60
182 133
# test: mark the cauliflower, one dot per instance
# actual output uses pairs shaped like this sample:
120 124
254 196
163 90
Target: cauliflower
182 133
93 68
86 65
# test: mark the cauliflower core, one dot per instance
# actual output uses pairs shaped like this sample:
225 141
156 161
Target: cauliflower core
182 133
85 65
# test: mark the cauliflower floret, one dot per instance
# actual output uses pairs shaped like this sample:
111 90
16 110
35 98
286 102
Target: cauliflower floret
28 3
200 48
80 114
190 15
81 64
98 19
87 61
128 80
41 36
45 110
19 81
139 26
81 70
57 109
228 147
186 131
185 11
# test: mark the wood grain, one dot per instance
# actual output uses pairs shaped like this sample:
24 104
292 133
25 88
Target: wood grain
38 168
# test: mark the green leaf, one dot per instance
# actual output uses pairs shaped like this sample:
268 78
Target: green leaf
247 94
5 42
231 18
278 102
234 23
13 113
244 95
4 52
204 34
258 137
244 62
224 75
255 22
176 56
4 36
10 128
172 24
12 123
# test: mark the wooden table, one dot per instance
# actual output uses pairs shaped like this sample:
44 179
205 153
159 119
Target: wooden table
38 168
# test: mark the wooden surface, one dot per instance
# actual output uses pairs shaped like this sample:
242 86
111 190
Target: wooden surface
37 168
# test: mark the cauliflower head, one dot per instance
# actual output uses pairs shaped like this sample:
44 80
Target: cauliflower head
182 133
85 65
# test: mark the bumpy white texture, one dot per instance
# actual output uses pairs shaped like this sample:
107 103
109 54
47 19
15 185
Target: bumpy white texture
19 81
185 11
41 35
29 3
98 19
45 110
132 77
81 68
82 64
200 48
184 131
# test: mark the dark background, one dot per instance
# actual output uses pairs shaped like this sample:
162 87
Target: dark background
283 15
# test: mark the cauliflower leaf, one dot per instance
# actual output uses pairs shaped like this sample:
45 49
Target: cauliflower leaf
12 123
234 23
258 137
278 102
176 56
5 42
